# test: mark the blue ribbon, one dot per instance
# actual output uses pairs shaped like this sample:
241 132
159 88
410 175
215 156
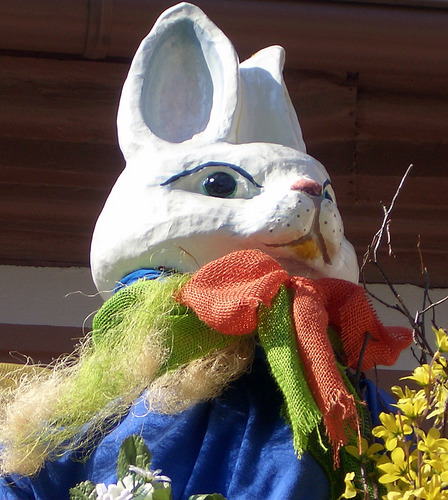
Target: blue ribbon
145 274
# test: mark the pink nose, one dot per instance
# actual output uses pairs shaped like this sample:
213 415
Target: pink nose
307 186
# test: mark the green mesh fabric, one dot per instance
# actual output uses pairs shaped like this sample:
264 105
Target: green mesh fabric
115 309
277 337
187 338
322 452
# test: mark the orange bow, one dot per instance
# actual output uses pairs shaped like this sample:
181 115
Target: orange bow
226 294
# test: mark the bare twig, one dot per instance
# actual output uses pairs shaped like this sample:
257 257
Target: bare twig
420 254
401 306
417 321
372 252
420 337
433 305
368 336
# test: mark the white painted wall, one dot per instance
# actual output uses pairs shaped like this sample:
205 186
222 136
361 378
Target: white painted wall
413 298
67 297
47 296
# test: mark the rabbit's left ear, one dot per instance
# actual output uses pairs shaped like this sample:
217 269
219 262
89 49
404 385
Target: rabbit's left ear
267 113
182 85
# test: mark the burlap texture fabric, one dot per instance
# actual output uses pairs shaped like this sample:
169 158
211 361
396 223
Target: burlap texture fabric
277 337
228 292
248 293
186 338
333 399
350 311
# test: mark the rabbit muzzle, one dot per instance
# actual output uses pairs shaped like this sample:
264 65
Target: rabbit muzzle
310 226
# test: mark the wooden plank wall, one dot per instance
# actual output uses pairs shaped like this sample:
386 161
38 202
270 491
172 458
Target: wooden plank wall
60 158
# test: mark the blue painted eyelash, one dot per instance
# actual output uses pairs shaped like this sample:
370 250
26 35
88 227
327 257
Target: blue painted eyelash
240 170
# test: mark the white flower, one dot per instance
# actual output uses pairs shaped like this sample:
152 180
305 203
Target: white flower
146 491
123 490
150 475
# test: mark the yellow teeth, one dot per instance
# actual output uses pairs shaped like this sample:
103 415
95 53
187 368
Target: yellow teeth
307 250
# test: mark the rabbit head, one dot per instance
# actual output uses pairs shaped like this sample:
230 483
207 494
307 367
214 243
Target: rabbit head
215 162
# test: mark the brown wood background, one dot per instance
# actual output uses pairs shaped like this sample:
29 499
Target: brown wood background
369 82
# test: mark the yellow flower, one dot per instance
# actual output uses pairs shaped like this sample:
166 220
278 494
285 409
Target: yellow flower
421 375
396 469
438 412
433 489
438 463
350 490
444 477
394 495
404 495
413 408
442 361
425 375
441 339
393 428
438 405
394 492
414 464
432 443
407 394
368 452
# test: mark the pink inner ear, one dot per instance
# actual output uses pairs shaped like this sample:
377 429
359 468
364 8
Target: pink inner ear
307 186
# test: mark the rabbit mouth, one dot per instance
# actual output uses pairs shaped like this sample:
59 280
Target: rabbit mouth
307 247
312 245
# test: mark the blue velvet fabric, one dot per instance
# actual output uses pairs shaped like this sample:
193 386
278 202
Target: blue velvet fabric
237 445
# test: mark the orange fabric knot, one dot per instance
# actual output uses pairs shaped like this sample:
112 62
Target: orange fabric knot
352 315
226 294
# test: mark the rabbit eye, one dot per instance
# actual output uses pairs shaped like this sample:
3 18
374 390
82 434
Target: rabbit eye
220 185
216 179
328 191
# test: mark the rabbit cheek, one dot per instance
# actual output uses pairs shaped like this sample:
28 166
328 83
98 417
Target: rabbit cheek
331 228
292 219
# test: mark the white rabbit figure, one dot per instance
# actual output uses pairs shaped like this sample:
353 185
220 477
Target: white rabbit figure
215 163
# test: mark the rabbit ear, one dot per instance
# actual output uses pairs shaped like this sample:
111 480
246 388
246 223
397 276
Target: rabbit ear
267 113
182 84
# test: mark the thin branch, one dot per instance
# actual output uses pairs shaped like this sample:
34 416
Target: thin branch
402 308
372 252
389 240
368 336
371 257
433 305
395 307
420 254
420 338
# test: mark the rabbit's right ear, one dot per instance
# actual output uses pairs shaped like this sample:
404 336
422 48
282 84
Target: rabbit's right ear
182 84
267 113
